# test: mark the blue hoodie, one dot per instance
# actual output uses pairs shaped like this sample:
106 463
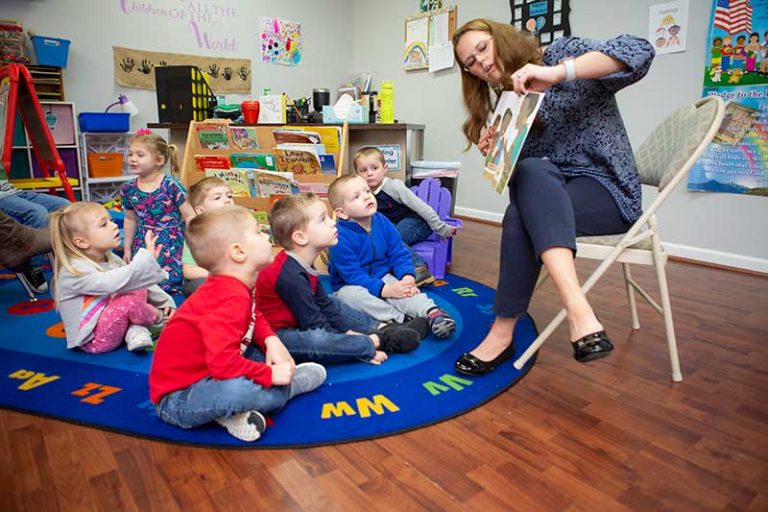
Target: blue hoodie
362 258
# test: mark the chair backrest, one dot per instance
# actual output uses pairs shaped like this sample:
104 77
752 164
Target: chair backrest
438 197
670 151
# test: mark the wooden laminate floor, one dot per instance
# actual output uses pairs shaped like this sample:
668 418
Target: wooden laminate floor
613 435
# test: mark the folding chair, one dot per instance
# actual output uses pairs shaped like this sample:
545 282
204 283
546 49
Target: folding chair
663 161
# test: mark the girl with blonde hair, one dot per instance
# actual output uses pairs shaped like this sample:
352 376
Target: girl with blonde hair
102 300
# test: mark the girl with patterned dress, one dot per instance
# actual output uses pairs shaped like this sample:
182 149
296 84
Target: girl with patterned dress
156 202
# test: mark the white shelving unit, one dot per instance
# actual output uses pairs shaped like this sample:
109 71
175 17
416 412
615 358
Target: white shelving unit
62 121
104 188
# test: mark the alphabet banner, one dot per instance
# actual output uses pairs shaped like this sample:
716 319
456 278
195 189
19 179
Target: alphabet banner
136 69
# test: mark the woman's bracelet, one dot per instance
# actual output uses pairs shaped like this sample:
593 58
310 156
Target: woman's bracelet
570 69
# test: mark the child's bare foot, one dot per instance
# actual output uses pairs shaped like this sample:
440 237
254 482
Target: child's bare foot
378 358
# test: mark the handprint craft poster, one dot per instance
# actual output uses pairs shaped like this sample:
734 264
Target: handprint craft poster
281 42
136 69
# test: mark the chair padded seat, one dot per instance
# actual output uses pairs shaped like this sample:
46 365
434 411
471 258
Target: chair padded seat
612 240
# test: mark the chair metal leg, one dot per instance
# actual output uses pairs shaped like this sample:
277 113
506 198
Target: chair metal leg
32 296
543 275
669 326
630 295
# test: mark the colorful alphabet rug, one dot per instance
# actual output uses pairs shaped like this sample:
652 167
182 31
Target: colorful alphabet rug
358 401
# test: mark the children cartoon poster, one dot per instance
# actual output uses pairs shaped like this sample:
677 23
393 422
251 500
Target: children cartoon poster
736 69
668 26
281 42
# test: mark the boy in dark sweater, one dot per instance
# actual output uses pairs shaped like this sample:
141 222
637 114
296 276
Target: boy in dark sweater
312 325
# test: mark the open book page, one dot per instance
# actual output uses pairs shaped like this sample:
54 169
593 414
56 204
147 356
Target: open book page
512 120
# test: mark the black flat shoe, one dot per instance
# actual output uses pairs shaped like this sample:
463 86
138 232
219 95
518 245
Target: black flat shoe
474 366
592 346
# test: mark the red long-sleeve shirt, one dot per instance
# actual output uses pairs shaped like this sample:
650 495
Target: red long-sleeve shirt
203 339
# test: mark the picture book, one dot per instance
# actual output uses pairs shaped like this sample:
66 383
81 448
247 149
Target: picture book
244 137
212 135
253 160
288 136
270 183
297 161
320 189
512 120
327 164
203 162
239 180
263 218
330 136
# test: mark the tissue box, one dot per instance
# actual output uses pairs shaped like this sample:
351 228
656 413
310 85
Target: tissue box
358 114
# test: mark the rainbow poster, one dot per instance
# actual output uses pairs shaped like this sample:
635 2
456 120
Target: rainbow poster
736 69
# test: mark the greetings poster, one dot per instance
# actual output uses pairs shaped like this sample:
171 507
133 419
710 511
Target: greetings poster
736 69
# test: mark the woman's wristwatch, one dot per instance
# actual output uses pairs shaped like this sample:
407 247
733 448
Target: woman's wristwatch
570 69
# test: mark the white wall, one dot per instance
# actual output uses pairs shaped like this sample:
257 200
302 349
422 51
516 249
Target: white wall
346 36
720 228
94 26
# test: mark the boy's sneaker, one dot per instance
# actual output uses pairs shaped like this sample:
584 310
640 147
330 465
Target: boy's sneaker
308 377
246 426
33 279
418 324
441 324
397 339
423 276
138 337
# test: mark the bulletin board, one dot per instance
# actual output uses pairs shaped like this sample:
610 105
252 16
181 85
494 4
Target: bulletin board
428 40
545 19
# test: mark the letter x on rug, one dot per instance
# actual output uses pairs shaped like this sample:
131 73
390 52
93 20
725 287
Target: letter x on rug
358 401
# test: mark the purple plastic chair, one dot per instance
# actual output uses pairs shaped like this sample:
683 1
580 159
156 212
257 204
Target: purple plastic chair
435 250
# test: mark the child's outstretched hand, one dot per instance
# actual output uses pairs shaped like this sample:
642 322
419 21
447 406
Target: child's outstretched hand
149 240
410 286
127 255
282 373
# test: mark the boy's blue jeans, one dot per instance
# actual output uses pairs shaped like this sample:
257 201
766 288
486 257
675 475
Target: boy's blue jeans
208 399
414 230
31 208
325 346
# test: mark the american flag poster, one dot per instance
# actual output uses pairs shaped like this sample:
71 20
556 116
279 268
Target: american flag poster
736 69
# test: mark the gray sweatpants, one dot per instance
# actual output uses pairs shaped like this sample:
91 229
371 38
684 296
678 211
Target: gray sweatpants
385 310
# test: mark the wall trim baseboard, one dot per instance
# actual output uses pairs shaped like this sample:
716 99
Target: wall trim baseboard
683 252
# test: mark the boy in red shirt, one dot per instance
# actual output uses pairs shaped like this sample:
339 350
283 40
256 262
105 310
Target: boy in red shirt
198 374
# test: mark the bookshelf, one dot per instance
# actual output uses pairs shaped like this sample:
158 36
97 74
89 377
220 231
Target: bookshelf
48 82
190 174
409 137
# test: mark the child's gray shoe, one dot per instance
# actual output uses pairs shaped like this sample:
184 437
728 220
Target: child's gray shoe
246 426
138 337
308 377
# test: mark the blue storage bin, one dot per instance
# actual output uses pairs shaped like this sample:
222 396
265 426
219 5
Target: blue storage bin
104 121
51 51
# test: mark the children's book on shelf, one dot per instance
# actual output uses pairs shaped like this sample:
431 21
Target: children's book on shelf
271 183
330 136
320 189
203 162
212 135
244 137
241 181
254 160
512 120
291 136
298 161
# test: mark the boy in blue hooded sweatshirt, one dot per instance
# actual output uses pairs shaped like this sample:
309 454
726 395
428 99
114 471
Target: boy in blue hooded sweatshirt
370 267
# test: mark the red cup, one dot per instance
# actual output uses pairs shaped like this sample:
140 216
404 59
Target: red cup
250 111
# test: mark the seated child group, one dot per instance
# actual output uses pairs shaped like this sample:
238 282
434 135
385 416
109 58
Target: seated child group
255 330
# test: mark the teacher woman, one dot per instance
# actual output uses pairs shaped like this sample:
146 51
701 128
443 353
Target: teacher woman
576 175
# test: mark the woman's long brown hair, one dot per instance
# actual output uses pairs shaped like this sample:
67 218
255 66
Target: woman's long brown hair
514 49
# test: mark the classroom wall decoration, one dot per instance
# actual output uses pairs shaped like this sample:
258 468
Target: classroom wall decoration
281 42
668 26
428 40
545 19
135 68
736 69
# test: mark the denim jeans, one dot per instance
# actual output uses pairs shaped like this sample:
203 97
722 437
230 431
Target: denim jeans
208 399
326 346
31 208
414 230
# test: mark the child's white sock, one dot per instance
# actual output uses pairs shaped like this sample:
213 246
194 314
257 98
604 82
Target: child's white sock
246 426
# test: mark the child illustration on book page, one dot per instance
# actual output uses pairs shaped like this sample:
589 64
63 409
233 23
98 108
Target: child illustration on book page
525 116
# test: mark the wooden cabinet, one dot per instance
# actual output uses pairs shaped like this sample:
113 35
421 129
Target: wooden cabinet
62 121
48 82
